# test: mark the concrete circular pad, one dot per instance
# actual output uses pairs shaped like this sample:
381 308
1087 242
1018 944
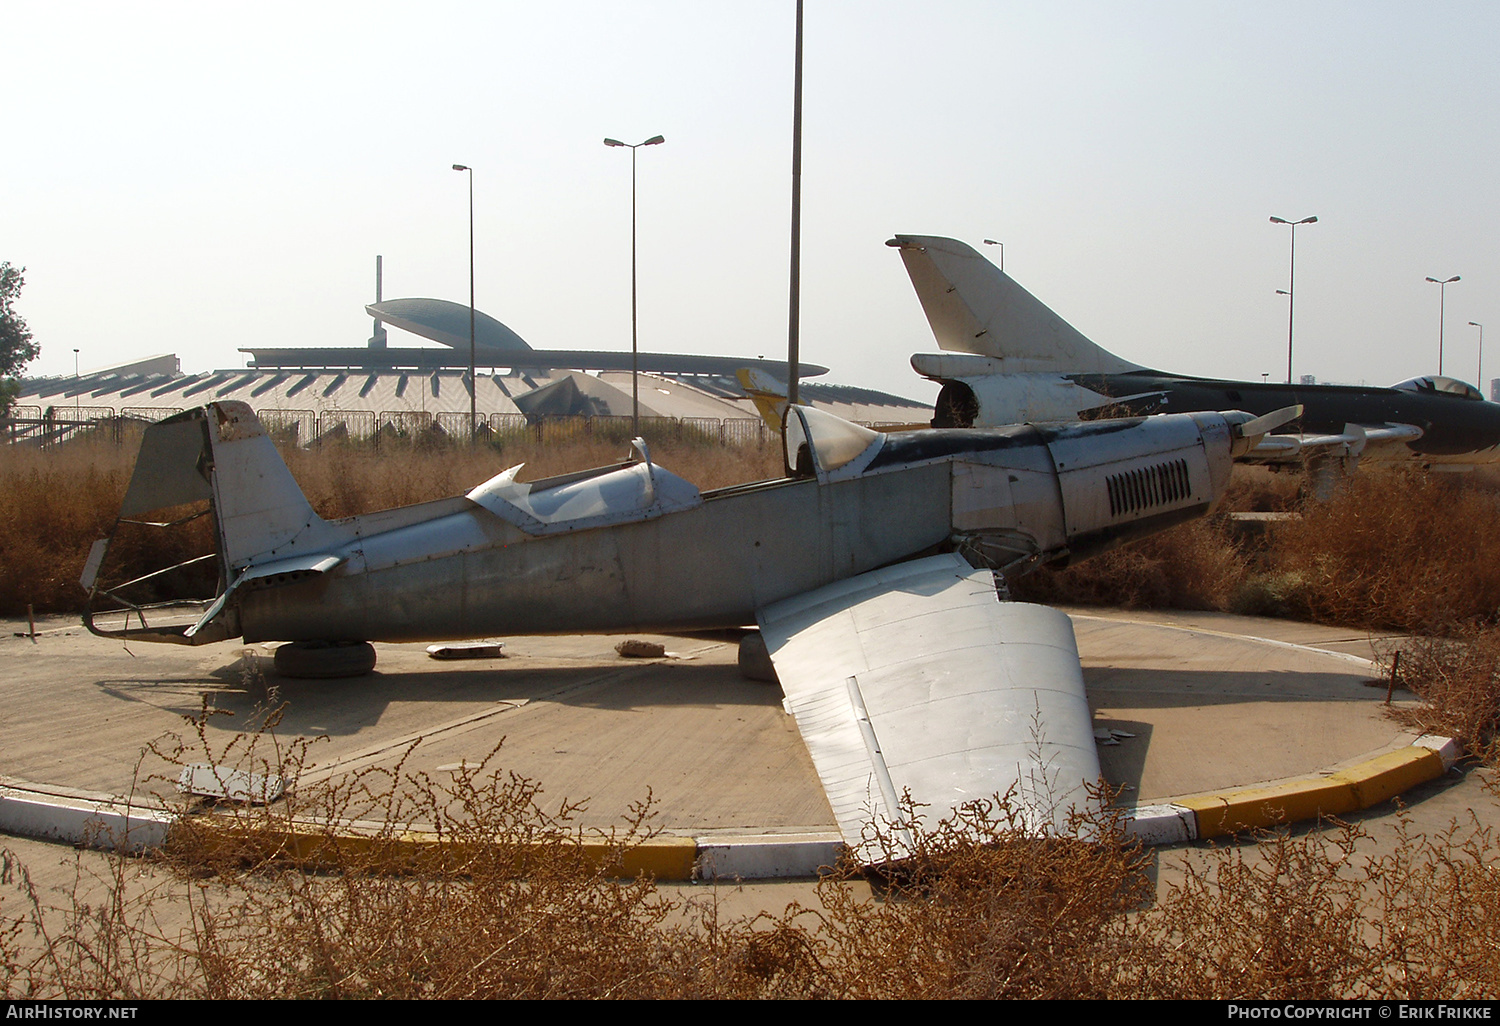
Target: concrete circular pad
1212 702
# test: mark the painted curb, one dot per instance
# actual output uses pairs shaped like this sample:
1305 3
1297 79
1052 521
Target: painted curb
767 858
316 846
1162 824
1331 794
109 824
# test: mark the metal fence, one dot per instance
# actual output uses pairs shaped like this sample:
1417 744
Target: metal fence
39 426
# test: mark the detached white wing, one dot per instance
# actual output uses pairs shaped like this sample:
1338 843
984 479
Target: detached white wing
916 679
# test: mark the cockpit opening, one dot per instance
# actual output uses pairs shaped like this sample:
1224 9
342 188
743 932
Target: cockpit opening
1435 384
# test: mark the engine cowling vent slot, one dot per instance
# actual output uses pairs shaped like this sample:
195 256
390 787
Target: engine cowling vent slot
1145 487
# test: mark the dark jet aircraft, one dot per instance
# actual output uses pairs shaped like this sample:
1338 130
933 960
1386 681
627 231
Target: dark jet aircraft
1008 359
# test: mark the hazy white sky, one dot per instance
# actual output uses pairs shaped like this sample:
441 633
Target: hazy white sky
194 178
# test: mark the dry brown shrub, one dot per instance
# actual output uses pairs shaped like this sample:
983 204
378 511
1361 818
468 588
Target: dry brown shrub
975 909
1458 680
1392 549
1399 549
1255 489
978 908
1435 919
1276 920
1195 565
54 503
1314 916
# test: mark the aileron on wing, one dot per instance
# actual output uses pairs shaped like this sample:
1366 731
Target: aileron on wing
916 680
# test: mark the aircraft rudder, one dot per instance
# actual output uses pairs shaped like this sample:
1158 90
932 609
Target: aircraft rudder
260 508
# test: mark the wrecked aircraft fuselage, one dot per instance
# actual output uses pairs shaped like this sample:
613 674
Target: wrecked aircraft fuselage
636 548
868 569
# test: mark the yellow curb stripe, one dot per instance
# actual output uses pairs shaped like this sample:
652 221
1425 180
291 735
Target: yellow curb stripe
1386 776
664 858
1334 794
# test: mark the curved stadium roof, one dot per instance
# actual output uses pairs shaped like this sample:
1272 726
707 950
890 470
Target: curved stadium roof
443 321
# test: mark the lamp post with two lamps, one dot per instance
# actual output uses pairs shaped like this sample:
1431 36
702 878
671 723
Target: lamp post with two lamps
1442 303
1291 288
635 390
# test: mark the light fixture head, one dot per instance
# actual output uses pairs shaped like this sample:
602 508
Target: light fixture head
462 167
654 140
613 142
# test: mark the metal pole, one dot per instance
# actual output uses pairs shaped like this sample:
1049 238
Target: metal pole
1442 304
1479 381
473 376
635 389
1291 294
794 341
1291 305
473 383
635 369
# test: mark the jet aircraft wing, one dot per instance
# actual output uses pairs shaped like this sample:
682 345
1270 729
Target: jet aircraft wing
915 682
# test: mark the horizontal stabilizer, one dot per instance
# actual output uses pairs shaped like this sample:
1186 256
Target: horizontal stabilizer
916 681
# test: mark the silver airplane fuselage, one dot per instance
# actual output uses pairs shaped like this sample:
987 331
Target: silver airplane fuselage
634 547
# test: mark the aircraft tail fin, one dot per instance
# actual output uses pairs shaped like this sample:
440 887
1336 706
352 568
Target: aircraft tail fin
266 531
974 307
262 513
768 394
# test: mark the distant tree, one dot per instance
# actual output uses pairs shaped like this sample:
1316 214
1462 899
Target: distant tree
16 347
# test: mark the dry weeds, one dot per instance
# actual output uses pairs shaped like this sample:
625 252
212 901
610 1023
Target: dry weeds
1393 550
1458 679
977 910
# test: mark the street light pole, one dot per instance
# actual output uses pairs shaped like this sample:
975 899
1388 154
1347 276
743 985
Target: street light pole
992 242
794 292
1480 372
1291 289
635 388
473 380
1442 304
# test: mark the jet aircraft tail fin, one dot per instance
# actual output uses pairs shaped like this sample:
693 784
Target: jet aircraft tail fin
974 307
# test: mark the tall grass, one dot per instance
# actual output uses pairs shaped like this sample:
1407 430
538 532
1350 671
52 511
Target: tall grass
1400 550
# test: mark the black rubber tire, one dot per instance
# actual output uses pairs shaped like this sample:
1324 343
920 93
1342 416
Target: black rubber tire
321 660
755 661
